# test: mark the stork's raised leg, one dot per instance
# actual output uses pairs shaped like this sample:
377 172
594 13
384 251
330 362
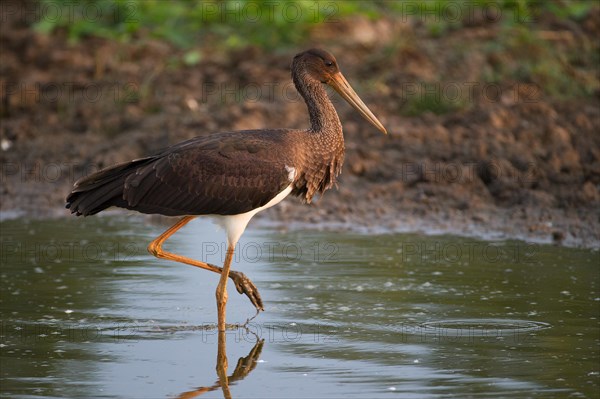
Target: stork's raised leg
242 283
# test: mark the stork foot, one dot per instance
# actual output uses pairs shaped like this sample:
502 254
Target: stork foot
247 287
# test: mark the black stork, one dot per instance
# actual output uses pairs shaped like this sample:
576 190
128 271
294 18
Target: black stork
233 175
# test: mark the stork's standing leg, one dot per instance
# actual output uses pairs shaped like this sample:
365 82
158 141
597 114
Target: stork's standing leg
222 288
242 283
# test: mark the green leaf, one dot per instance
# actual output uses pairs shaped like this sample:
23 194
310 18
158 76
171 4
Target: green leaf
192 57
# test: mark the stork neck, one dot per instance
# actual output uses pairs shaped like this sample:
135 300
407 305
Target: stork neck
323 116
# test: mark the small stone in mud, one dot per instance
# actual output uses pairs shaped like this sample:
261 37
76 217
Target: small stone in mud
558 236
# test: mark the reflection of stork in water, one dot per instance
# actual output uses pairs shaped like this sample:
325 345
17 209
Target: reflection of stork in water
244 366
233 175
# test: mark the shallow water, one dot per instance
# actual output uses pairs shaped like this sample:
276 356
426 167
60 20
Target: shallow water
87 312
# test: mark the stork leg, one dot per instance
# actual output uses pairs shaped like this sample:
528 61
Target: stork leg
242 283
221 293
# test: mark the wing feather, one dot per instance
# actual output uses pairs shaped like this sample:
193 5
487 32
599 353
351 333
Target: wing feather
222 177
224 174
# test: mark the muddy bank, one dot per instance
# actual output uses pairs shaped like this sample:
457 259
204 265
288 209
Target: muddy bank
512 160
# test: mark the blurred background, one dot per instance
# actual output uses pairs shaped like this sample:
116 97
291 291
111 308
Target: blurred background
492 106
493 113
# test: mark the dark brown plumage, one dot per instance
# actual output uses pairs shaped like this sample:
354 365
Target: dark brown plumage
218 174
233 174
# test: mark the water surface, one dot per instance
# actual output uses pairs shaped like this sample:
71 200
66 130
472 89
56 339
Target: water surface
87 312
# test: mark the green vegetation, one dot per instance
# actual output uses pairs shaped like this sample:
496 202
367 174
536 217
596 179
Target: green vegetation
562 71
427 102
516 52
239 23
235 23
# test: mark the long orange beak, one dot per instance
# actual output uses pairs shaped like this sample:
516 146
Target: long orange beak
341 85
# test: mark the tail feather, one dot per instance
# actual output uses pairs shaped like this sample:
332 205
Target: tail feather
103 189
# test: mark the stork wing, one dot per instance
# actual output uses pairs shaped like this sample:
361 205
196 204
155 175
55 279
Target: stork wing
222 174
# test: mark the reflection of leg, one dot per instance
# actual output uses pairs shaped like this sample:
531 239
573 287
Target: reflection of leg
242 283
222 364
244 366
222 289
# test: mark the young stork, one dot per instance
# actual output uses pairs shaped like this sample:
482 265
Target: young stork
233 175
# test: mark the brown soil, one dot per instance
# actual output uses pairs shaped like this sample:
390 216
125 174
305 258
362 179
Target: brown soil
514 163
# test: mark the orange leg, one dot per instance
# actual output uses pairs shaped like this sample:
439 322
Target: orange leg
242 283
155 248
222 364
221 293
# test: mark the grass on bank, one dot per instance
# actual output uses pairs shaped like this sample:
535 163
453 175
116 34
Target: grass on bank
520 54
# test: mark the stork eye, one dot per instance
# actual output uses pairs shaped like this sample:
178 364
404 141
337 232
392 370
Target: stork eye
329 63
